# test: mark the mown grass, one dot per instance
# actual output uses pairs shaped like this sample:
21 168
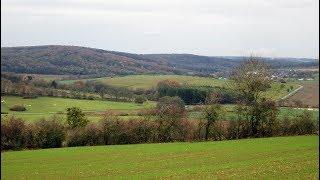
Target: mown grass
263 158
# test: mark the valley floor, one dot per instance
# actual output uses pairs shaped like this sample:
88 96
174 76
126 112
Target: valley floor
280 157
46 107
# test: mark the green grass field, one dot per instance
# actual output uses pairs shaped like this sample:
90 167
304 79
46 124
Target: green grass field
263 158
283 112
44 107
150 81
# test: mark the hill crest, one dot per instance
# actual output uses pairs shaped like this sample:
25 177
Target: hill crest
77 60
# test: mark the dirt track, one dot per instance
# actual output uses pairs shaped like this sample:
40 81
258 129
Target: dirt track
308 95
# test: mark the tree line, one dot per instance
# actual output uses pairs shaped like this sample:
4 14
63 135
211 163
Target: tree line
27 86
256 117
170 125
194 95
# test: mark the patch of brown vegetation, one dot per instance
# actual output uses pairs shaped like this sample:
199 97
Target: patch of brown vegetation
308 96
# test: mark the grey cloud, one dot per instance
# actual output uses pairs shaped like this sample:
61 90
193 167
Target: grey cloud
208 27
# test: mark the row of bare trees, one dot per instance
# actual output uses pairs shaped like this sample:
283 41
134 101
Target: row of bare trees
168 126
256 117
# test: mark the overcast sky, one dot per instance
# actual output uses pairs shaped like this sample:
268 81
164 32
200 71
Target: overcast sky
286 28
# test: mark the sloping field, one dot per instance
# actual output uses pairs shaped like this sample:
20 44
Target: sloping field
46 77
283 112
280 158
151 81
277 90
47 106
308 94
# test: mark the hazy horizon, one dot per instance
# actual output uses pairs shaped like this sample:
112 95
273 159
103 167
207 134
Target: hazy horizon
210 28
165 53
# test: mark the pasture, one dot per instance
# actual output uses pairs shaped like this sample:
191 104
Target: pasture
283 112
276 91
262 158
43 107
151 81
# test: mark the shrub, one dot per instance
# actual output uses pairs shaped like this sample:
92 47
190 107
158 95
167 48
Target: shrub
76 118
170 107
282 81
267 113
303 124
74 137
142 131
238 129
317 126
196 108
113 131
90 97
123 114
218 131
188 130
49 133
212 112
140 99
262 116
18 107
13 134
84 136
233 130
92 135
30 136
147 114
30 96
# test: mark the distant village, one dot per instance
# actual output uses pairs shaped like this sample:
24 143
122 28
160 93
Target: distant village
278 74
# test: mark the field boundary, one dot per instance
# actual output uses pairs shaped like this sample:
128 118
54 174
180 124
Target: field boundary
291 93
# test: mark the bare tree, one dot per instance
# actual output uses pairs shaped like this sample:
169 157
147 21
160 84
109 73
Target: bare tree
251 79
170 111
212 112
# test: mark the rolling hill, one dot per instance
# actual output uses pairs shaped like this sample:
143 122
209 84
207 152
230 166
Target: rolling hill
75 60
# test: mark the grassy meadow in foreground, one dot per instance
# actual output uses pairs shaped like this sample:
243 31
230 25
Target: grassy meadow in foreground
280 157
